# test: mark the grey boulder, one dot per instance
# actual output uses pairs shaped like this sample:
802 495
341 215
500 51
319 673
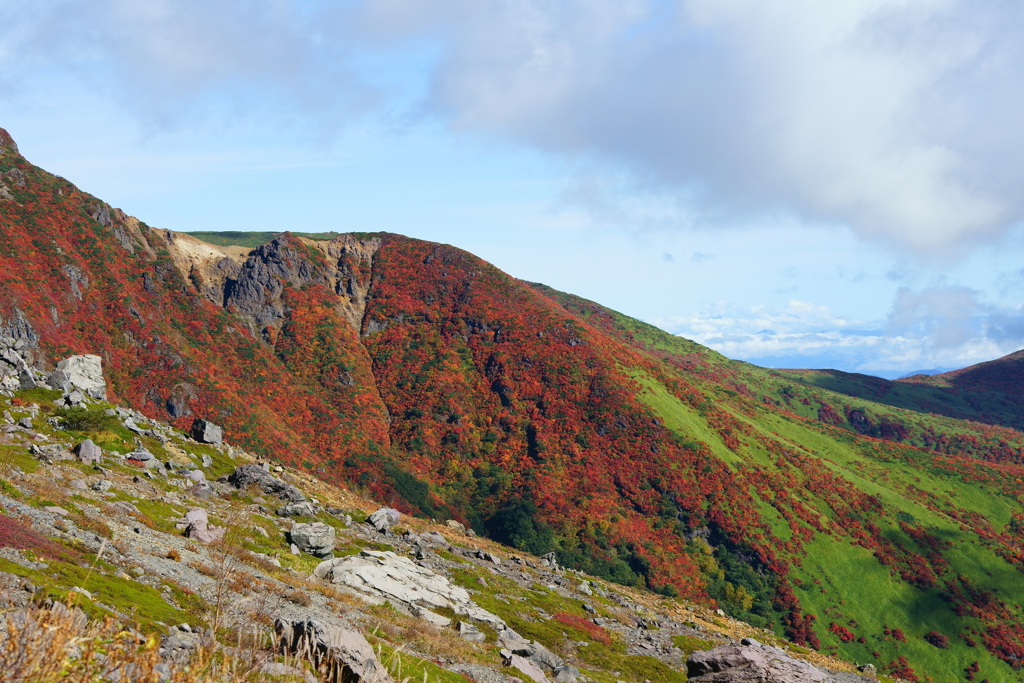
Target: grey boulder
343 652
316 539
296 510
84 373
88 452
205 431
254 475
751 661
384 518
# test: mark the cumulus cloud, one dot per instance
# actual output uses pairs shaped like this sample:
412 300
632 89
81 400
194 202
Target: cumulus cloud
898 119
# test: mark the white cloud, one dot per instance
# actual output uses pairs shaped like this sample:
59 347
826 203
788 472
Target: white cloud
945 327
899 119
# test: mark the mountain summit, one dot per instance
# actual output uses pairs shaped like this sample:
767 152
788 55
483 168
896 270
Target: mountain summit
420 374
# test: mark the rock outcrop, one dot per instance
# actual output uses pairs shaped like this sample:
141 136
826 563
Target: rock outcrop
386 576
84 373
344 653
205 431
753 662
254 475
316 539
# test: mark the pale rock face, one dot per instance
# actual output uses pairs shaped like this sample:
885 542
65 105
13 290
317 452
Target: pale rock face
317 538
344 653
754 662
85 373
383 574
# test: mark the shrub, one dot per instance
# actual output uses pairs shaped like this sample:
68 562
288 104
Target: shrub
81 419
937 639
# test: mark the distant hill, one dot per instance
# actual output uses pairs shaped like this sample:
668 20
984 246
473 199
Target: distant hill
852 514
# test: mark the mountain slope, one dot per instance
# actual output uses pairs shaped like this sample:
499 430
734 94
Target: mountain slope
443 386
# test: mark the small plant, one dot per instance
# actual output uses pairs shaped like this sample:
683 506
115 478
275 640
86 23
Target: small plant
85 420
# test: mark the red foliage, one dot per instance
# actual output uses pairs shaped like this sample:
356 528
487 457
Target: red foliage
583 624
14 534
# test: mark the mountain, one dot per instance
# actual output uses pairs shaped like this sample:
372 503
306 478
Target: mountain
990 392
812 503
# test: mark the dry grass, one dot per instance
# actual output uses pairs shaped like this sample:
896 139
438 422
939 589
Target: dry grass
416 634
57 645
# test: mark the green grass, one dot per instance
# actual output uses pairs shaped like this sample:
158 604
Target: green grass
230 238
143 603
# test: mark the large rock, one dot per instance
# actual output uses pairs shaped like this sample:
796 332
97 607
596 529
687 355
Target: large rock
752 662
84 373
199 528
387 576
205 431
343 652
88 452
384 518
316 539
254 475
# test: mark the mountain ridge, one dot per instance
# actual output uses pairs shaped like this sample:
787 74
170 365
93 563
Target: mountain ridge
429 378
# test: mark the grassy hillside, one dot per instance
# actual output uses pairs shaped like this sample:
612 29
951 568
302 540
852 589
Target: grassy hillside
420 374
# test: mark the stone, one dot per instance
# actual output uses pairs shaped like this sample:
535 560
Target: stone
868 669
296 510
566 674
101 485
316 539
383 575
25 423
470 632
8 418
549 560
527 668
79 484
585 589
254 475
432 537
196 476
458 526
206 460
59 381
384 518
344 652
199 527
85 373
205 431
57 510
750 661
202 491
431 617
88 452
294 549
74 398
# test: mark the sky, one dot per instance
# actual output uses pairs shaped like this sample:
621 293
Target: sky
793 183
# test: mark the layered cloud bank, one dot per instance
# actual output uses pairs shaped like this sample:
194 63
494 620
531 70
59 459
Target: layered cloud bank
932 329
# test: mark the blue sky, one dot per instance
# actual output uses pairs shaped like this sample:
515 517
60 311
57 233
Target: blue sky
794 183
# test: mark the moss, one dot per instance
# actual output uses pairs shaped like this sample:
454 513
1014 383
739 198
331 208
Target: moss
10 490
15 456
145 605
690 644
629 667
39 395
